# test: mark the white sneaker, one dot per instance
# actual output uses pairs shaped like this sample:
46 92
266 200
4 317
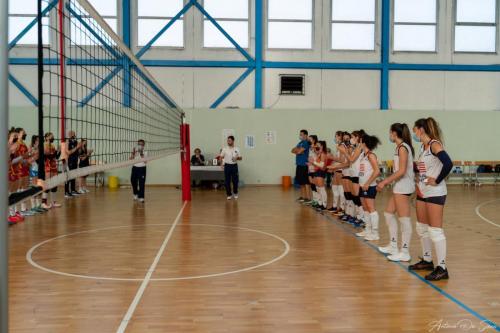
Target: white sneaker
235 196
361 234
56 204
229 197
82 191
141 200
389 249
136 197
400 256
373 236
46 206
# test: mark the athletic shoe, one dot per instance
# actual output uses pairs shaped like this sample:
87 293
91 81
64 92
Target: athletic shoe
300 199
389 249
27 213
75 193
320 208
68 195
422 265
19 216
332 210
13 219
39 209
339 212
135 197
230 197
56 204
361 234
141 200
81 191
358 223
307 203
235 196
345 218
439 273
86 190
373 236
46 206
401 256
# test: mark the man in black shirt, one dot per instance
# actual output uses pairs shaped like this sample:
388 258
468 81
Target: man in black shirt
72 163
197 159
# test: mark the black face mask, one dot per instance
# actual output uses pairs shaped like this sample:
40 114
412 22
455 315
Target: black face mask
14 140
51 140
24 137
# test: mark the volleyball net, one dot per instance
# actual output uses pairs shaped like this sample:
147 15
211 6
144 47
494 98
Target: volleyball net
91 83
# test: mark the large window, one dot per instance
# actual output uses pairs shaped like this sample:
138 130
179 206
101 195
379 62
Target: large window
232 16
290 24
80 35
353 24
153 15
475 25
21 14
415 25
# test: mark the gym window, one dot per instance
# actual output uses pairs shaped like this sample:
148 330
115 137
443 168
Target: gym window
22 13
290 24
353 25
106 9
415 25
232 16
475 25
153 15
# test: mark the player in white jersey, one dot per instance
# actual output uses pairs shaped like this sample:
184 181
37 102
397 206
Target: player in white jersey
434 165
346 150
356 211
403 178
313 140
368 173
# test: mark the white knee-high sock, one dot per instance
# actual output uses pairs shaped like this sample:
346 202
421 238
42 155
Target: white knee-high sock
368 223
323 195
425 240
23 207
316 195
342 197
439 240
33 202
336 195
405 234
392 225
374 222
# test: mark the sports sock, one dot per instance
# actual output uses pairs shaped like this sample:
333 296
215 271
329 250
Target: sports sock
438 238
405 234
392 225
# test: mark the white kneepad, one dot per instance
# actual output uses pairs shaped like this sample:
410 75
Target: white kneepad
437 234
422 229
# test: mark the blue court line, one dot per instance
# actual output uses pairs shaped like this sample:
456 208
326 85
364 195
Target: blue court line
433 286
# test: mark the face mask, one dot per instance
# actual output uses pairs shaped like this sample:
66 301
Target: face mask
73 137
391 139
416 138
51 140
24 137
14 140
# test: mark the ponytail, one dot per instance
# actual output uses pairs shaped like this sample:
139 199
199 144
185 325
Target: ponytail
434 130
403 132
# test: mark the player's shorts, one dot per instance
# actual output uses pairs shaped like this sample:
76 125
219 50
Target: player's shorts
370 194
439 200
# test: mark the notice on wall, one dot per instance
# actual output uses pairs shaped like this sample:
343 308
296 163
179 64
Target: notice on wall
225 134
250 141
270 137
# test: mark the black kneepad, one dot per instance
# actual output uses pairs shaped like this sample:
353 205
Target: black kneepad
313 187
357 200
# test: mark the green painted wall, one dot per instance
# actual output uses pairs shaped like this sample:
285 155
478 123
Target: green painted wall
469 135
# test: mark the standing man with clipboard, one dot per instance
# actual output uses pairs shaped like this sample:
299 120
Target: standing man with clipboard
230 156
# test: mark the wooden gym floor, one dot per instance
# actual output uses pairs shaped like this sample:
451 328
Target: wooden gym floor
262 264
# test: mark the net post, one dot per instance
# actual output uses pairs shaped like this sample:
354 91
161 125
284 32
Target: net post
4 120
62 67
185 162
41 140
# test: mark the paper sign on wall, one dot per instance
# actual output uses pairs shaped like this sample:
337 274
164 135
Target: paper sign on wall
250 141
270 137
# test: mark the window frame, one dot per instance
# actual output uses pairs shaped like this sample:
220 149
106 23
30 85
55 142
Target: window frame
476 24
165 18
32 17
375 30
436 24
231 48
313 5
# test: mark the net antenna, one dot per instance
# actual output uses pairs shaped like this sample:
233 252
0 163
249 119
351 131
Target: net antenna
91 83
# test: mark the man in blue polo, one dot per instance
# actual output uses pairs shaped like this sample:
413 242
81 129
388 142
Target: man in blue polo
301 152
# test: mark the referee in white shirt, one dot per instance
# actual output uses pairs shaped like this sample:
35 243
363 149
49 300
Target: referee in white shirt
138 177
230 156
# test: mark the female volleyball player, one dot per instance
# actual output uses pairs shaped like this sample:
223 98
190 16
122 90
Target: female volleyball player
14 216
368 173
404 186
337 188
355 160
84 161
33 172
313 140
23 168
319 165
346 178
51 156
434 165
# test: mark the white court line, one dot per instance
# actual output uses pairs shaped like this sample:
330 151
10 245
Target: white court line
478 213
147 278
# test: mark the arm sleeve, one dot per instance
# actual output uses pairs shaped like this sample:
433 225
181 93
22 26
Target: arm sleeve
447 166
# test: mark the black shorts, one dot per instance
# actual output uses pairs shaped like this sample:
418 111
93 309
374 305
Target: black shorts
338 171
301 175
440 200
370 194
320 174
311 174
355 180
346 177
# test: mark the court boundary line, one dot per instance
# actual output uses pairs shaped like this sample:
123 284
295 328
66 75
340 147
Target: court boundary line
478 213
29 255
492 324
142 288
